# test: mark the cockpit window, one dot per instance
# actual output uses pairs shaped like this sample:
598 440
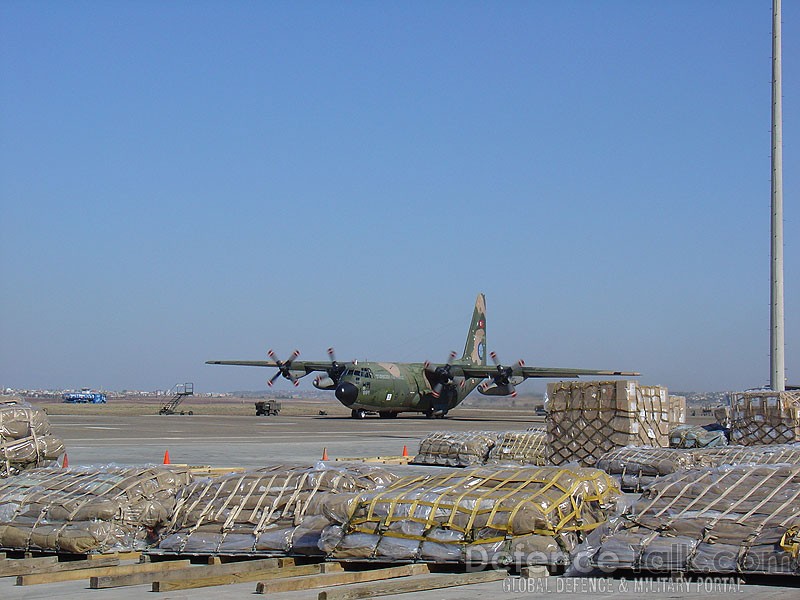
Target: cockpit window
366 373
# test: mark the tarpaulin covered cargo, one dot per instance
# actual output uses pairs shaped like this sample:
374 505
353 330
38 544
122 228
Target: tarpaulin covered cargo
697 436
455 448
732 519
274 510
525 515
520 447
765 417
757 455
25 439
87 509
588 418
636 467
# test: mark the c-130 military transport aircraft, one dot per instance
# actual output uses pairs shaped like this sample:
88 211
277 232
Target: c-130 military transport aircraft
433 389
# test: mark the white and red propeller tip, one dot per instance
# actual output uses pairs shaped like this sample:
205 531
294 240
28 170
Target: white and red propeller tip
521 362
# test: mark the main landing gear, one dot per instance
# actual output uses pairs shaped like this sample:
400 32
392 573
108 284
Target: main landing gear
439 414
358 413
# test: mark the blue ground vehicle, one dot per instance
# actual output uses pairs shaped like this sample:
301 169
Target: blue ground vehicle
84 397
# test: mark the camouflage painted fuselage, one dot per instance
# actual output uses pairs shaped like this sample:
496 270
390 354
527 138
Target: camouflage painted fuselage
397 387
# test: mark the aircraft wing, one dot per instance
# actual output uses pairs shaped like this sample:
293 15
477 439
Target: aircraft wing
487 371
296 366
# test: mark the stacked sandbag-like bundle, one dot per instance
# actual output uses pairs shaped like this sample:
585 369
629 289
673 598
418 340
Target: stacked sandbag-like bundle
455 448
274 510
765 417
697 436
636 467
25 439
520 447
87 509
589 418
524 515
733 519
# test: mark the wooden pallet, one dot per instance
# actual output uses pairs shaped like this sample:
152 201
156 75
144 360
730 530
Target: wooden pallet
382 460
9 553
206 470
271 574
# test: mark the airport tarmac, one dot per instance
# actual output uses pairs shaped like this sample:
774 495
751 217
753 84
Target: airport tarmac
250 441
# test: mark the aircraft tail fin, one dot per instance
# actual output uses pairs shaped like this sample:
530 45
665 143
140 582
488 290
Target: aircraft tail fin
475 348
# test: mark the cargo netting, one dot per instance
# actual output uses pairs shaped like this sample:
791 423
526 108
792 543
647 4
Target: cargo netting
757 455
25 438
524 515
765 417
732 519
587 419
520 447
455 448
634 468
87 509
273 510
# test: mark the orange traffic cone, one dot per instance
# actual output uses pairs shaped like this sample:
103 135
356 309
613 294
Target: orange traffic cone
65 462
324 454
166 457
405 450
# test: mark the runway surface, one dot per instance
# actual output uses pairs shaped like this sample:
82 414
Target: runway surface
250 441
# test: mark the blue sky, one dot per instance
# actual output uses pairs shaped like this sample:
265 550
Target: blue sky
187 181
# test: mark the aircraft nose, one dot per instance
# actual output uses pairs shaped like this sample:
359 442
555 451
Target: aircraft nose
346 393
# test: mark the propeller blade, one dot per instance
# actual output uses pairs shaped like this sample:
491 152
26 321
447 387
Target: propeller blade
271 382
292 358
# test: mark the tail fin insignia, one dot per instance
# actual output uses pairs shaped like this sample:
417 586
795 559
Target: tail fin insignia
475 348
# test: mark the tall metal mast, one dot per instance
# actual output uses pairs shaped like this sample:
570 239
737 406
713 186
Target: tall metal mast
777 365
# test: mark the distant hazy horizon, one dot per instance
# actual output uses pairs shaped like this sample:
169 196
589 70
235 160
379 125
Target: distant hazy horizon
183 182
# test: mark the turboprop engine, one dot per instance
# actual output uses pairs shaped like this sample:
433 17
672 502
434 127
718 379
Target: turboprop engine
497 390
503 382
324 383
